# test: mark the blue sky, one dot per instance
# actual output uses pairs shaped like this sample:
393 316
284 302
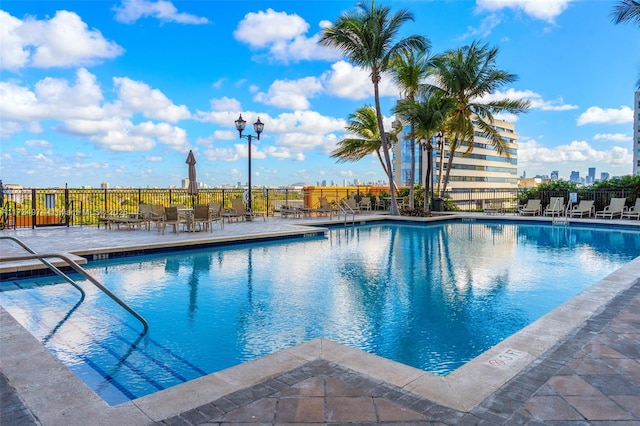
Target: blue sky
119 91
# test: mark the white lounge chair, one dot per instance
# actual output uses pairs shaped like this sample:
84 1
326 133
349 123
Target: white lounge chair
584 208
532 208
555 207
633 212
614 209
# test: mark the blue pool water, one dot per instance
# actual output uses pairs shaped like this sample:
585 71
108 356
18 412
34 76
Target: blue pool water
431 296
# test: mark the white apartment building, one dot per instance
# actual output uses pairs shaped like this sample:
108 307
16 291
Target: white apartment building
636 134
482 169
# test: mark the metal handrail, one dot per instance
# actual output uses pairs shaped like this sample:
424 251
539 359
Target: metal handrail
353 213
79 269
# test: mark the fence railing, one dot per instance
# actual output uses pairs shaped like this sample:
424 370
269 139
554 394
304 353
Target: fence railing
39 207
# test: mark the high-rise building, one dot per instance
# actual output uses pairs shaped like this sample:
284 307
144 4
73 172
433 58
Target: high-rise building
555 175
591 176
482 169
604 176
636 134
574 177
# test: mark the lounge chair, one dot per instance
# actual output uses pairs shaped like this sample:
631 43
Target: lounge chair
239 209
614 209
555 207
584 208
633 212
532 208
493 207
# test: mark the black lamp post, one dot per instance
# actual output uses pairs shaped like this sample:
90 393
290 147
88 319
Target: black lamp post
439 142
258 126
428 184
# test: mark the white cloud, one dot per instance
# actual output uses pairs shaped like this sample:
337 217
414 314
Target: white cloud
613 137
283 36
532 155
537 102
136 96
62 41
484 29
292 94
164 11
225 104
546 10
606 116
346 81
38 143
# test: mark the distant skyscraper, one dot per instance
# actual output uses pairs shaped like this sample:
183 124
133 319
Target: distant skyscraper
575 177
636 135
604 176
592 173
555 175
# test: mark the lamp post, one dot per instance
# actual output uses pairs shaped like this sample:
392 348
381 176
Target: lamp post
427 145
258 126
439 139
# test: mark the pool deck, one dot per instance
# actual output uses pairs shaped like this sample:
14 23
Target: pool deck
579 364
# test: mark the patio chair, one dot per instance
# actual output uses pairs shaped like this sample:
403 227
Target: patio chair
633 212
555 207
215 210
614 209
201 217
365 203
172 217
151 214
325 207
350 203
585 207
532 208
380 204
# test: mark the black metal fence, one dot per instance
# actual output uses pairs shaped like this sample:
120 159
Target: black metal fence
39 207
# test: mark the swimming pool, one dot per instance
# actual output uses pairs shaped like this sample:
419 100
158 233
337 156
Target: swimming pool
371 287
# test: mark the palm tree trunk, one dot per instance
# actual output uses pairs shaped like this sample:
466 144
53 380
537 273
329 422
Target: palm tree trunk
449 163
385 146
384 168
441 162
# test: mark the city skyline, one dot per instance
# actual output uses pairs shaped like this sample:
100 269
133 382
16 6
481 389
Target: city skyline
120 91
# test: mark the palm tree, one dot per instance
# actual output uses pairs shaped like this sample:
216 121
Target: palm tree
368 39
627 11
364 124
426 115
409 70
467 75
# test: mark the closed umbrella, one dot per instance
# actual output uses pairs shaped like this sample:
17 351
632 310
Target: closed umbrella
192 189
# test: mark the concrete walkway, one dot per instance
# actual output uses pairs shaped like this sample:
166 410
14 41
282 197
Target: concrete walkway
590 376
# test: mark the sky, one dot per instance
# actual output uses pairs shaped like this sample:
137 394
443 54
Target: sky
96 91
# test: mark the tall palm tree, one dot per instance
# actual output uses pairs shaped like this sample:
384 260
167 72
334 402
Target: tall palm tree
368 39
467 75
409 70
627 11
363 124
427 115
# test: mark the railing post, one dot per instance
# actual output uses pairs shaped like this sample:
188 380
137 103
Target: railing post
33 208
66 205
